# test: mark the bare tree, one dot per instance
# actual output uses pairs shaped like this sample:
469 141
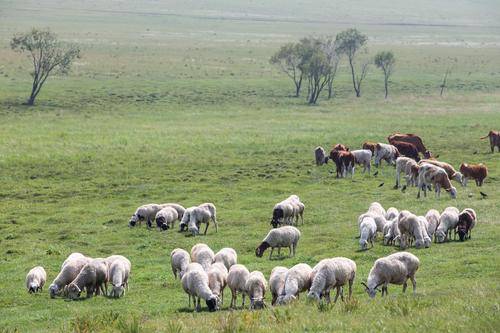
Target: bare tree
288 58
349 42
445 80
385 60
330 49
48 56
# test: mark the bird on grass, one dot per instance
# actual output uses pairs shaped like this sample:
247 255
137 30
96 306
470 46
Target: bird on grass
381 184
375 173
483 195
403 189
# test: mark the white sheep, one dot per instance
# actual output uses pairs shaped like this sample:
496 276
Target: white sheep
166 217
277 282
179 261
432 218
447 222
226 256
35 279
332 273
93 278
283 213
377 208
119 272
403 164
195 284
256 286
202 254
385 152
396 268
194 216
367 231
379 219
320 156
387 232
69 271
410 227
363 157
236 281
391 213
145 213
179 209
297 280
286 236
423 238
217 279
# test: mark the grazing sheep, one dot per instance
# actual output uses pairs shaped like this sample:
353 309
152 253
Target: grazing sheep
422 238
298 211
195 284
277 282
227 256
166 217
404 164
194 216
396 268
388 232
429 174
203 255
385 152
236 281
367 231
297 280
217 279
210 207
35 279
466 222
179 260
494 137
320 156
391 213
119 272
447 222
432 218
369 146
93 278
282 211
178 208
411 227
69 271
363 157
377 208
286 236
478 172
450 170
144 212
332 273
380 220
256 286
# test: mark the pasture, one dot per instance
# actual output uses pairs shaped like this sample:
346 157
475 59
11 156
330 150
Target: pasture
183 106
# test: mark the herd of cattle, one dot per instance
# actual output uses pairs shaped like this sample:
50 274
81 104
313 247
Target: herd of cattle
404 151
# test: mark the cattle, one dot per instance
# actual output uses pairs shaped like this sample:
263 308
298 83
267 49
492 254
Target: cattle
363 157
494 140
340 147
410 138
478 172
370 146
344 162
406 149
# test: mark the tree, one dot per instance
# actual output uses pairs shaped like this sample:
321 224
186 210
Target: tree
445 81
329 47
315 66
48 56
385 60
349 42
288 59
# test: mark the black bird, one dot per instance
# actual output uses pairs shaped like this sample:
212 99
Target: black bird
484 195
403 189
437 156
375 173
381 184
475 152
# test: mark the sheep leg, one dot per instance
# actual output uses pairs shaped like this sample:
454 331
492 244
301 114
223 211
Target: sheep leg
189 300
215 223
206 228
384 289
302 218
279 252
350 287
336 294
233 298
198 306
243 302
404 286
414 283
271 254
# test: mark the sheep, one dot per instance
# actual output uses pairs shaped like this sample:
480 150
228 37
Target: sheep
282 211
320 156
203 255
364 157
35 279
403 164
119 272
193 217
388 232
429 174
297 280
277 282
236 281
286 236
432 217
144 212
391 213
332 273
466 222
422 239
385 152
179 261
298 211
69 271
178 208
166 217
217 279
410 227
450 170
255 287
195 284
367 231
447 222
377 208
396 268
227 256
478 172
93 278
380 220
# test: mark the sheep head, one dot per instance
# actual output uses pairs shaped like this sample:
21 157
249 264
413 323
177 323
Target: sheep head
259 251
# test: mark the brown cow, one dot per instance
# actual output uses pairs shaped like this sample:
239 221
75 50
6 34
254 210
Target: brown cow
494 140
406 149
370 146
478 172
410 138
340 147
344 162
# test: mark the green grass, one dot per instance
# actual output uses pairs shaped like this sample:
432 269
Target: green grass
201 116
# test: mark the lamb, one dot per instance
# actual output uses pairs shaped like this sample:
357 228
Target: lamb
277 282
165 218
391 213
217 279
494 137
69 271
119 272
403 164
466 222
396 268
370 146
450 170
203 255
368 231
447 222
320 156
255 287
286 236
332 273
478 172
144 212
227 256
429 174
236 281
35 279
363 157
195 284
178 208
179 260
385 152
93 278
297 280
432 218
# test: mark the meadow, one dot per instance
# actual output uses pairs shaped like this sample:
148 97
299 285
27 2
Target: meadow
180 104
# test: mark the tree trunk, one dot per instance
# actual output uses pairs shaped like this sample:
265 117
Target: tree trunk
356 89
330 88
386 87
298 85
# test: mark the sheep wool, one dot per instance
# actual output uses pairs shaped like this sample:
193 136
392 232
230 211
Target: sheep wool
329 274
277 282
297 280
286 236
35 279
179 261
203 255
195 284
256 286
236 281
226 256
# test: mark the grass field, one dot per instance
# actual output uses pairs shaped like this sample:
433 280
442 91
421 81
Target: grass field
184 107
